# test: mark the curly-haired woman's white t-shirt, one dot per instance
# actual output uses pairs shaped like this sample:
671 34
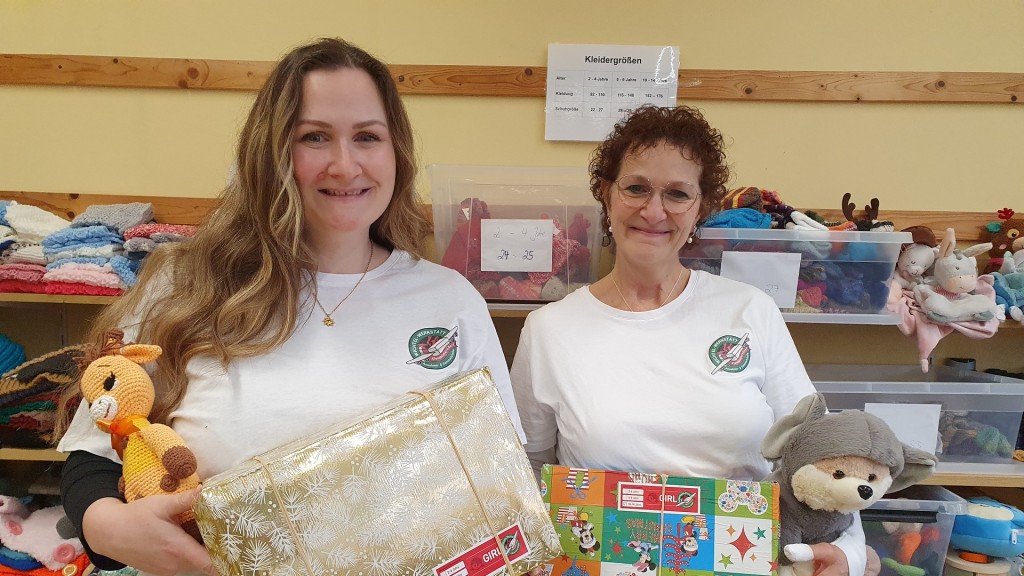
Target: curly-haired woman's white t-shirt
688 389
325 375
644 391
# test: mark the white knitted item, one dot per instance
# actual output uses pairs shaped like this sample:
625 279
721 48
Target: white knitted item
27 254
33 223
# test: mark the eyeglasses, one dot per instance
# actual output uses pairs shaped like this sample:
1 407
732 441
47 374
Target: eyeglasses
676 197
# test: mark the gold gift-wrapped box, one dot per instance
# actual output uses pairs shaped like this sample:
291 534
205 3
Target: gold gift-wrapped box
429 485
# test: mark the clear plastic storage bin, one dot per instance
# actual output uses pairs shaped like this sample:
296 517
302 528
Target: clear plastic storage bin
522 234
839 277
912 528
979 418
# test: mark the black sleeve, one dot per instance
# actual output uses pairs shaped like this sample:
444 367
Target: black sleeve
87 478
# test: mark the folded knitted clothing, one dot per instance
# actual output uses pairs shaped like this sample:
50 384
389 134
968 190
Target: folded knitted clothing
104 251
163 237
34 415
39 391
22 286
138 247
23 272
25 253
746 197
147 230
74 237
3 211
92 274
33 223
80 289
126 269
739 218
6 232
78 260
87 248
34 386
12 354
118 217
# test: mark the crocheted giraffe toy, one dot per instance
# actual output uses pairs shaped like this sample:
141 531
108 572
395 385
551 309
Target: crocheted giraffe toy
120 394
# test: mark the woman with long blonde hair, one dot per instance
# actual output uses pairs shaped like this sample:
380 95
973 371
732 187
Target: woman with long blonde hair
301 301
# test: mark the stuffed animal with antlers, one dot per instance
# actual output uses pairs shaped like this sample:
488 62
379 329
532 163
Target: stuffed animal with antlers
120 393
1006 235
870 221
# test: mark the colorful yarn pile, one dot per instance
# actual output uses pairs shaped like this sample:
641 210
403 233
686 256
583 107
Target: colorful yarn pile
29 394
835 277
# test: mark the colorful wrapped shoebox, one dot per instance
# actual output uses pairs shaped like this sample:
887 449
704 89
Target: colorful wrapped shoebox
426 486
626 524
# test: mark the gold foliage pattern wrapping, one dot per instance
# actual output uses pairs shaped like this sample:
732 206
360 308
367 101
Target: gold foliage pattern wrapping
385 496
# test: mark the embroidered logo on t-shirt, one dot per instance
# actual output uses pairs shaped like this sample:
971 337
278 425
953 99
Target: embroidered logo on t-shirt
433 348
730 353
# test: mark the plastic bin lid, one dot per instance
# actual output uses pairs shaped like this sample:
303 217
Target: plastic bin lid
908 379
804 235
923 498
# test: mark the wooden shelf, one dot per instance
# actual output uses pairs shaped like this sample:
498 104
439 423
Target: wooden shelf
526 81
32 454
1010 475
55 298
968 226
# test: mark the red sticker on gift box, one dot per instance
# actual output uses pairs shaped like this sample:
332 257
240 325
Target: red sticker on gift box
656 498
485 559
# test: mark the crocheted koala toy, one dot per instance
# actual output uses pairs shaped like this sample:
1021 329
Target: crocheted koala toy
829 466
120 394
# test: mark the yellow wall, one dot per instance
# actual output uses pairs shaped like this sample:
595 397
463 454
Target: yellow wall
910 156
179 143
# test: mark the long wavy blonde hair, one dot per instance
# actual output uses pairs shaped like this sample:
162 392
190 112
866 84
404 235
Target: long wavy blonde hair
234 289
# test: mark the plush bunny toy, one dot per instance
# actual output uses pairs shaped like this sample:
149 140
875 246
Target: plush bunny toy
955 278
829 466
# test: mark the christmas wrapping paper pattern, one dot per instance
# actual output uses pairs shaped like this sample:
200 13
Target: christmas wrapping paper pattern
627 524
387 495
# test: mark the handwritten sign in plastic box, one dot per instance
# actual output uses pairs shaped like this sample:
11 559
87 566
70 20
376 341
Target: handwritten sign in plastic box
776 273
510 245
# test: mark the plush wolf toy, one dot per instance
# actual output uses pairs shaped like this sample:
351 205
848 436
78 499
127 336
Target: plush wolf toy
829 466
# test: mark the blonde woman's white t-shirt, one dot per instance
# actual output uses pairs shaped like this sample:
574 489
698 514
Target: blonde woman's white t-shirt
321 375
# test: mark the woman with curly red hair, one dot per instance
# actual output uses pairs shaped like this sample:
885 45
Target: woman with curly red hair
656 367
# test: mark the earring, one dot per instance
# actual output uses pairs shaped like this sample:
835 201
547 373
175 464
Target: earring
690 239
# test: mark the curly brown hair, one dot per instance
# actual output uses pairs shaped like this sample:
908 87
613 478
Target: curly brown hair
648 126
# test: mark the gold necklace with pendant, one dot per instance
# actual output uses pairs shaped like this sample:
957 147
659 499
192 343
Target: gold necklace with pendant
328 321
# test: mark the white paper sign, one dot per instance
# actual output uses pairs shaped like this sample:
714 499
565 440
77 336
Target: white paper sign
590 87
915 425
774 272
508 245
